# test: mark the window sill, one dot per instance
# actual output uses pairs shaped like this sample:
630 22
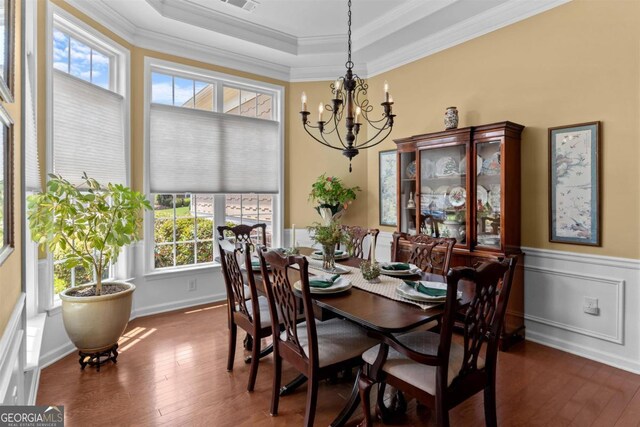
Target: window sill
35 331
175 272
55 310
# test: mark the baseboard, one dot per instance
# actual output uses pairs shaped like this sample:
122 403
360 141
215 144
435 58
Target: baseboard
33 386
582 351
56 354
175 305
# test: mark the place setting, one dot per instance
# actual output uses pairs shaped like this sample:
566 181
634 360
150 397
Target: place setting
399 269
326 284
423 290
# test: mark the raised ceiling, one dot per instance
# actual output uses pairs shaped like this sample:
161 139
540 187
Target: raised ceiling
298 40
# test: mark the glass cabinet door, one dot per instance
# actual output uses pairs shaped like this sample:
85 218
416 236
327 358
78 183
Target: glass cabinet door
443 192
407 194
488 201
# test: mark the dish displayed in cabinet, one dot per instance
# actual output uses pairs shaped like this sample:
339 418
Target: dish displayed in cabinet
494 197
446 166
457 197
411 170
491 165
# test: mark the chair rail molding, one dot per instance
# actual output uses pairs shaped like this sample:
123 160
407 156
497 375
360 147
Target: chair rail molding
556 283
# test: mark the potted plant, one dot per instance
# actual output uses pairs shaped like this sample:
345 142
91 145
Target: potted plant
332 196
89 224
328 236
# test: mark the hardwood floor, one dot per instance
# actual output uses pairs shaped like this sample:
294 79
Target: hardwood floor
172 371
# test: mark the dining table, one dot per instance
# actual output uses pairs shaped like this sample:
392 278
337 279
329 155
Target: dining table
376 313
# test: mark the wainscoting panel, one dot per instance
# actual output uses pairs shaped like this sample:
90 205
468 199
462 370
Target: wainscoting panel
556 284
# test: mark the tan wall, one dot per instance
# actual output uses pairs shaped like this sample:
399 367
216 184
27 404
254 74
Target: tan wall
11 269
576 63
307 159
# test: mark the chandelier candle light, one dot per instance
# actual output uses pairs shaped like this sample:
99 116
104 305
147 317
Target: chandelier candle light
349 102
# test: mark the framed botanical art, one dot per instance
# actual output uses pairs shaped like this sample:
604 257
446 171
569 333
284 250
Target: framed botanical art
388 188
574 184
6 185
7 54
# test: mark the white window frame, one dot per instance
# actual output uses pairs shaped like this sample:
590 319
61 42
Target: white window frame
219 80
119 82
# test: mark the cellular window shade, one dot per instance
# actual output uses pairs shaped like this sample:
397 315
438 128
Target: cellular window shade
32 163
88 131
205 152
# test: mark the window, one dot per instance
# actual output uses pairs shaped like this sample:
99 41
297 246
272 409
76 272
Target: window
248 103
250 209
182 92
80 60
88 74
183 229
198 145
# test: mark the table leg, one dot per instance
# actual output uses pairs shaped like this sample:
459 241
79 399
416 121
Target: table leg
350 406
293 385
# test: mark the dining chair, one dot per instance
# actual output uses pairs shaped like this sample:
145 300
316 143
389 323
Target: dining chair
249 312
433 258
430 254
317 350
357 236
242 233
255 235
430 367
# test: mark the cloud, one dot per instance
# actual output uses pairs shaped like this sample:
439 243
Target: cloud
162 93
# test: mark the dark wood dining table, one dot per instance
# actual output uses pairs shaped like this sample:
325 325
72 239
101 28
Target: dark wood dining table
376 313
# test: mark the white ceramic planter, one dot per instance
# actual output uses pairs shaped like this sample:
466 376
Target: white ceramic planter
96 323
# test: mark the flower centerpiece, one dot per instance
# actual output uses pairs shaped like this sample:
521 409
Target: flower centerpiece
332 197
328 236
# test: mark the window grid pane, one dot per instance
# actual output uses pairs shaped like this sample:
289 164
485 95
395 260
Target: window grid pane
81 60
190 239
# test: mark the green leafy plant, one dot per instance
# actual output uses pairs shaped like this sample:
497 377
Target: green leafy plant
327 235
90 226
330 191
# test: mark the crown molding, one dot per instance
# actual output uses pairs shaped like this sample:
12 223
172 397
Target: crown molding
309 62
105 15
396 19
323 72
499 17
210 19
189 49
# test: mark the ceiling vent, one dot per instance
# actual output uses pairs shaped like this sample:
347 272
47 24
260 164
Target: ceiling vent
248 5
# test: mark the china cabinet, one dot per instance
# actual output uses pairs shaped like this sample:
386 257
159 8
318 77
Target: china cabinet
465 183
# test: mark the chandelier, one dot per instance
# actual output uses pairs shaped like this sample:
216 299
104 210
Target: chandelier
350 103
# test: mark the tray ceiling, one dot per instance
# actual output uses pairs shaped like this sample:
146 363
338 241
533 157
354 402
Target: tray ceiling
306 39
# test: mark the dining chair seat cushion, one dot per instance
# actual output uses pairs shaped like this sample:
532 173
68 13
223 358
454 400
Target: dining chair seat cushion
414 373
338 341
265 316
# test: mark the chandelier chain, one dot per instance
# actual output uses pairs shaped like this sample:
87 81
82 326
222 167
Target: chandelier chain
349 63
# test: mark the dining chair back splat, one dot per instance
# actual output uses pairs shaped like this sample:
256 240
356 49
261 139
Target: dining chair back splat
357 236
430 254
438 372
253 234
245 308
315 349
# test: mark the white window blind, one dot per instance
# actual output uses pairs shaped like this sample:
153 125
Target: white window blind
88 131
205 152
32 163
